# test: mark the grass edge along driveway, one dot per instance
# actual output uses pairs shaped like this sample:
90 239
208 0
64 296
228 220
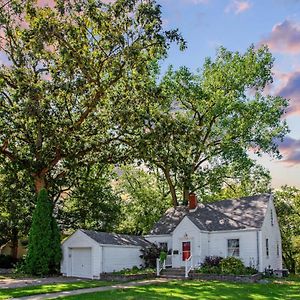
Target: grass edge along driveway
202 290
50 288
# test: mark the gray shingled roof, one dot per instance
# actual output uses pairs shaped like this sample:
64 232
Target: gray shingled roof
116 239
231 214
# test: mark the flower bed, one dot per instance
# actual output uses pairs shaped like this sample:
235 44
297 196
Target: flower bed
225 277
126 277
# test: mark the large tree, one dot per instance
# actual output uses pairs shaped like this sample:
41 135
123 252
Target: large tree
287 203
61 64
204 126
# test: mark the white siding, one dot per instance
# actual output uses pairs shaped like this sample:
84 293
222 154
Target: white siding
116 258
272 233
156 239
80 240
247 240
186 231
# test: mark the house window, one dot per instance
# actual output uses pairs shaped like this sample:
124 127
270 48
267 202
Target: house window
233 246
272 220
267 247
163 246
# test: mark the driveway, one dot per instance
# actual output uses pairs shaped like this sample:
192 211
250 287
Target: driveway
9 282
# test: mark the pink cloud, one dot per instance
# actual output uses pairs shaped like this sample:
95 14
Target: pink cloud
290 149
290 89
284 38
238 6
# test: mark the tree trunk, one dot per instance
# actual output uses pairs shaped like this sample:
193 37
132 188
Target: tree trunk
185 195
39 183
171 187
14 243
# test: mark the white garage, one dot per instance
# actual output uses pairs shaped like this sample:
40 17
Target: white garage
88 253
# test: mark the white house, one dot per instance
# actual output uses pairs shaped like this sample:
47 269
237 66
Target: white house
88 253
246 228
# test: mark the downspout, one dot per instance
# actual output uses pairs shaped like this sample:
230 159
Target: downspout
257 249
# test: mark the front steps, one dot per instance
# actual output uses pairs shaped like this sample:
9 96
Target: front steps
176 273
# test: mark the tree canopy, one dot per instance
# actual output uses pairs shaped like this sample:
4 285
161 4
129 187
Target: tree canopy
204 126
62 63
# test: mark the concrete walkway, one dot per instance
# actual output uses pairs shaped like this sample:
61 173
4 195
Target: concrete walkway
93 290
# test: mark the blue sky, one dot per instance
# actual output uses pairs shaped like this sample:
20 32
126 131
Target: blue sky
236 24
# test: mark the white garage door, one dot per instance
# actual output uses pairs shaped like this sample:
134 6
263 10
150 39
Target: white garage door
82 262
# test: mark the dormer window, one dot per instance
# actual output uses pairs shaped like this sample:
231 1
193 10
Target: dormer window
272 219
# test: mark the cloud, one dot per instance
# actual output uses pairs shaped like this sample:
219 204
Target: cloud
284 38
290 89
290 149
238 6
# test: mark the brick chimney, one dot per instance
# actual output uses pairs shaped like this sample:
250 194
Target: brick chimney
192 201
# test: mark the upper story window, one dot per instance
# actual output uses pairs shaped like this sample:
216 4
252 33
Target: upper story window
277 249
272 218
267 247
233 247
163 246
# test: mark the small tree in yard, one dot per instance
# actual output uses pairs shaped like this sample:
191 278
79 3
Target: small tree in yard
44 251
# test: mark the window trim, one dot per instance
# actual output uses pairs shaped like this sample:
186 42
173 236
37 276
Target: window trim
233 249
166 243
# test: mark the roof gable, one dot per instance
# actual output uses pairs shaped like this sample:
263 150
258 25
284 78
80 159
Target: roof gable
231 214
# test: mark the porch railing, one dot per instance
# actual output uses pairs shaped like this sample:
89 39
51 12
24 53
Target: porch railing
160 265
169 261
188 266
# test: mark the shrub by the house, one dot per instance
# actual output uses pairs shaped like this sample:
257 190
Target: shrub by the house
149 255
228 265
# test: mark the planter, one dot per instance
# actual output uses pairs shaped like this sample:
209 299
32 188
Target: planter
222 277
123 277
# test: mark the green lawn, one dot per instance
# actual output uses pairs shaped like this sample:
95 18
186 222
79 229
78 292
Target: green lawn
50 288
204 290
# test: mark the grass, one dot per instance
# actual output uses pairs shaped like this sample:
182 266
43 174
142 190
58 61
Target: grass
50 288
202 290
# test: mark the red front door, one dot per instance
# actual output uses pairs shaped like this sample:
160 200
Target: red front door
186 250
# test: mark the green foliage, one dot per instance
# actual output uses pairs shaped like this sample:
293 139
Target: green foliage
256 180
201 130
162 256
232 265
135 270
90 203
287 203
44 251
145 199
16 203
149 255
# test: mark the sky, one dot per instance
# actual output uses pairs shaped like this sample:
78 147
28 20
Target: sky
236 24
